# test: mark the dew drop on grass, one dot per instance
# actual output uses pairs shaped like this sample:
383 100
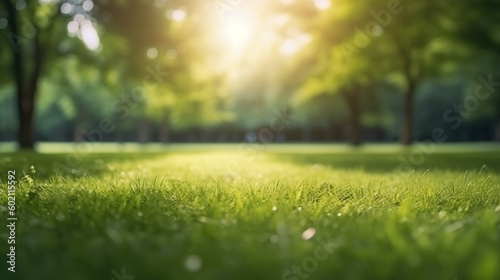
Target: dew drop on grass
193 263
309 233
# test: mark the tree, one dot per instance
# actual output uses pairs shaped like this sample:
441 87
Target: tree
382 39
339 68
414 46
81 89
35 28
351 78
166 57
475 26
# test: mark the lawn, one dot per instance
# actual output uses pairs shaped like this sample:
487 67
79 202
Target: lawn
284 212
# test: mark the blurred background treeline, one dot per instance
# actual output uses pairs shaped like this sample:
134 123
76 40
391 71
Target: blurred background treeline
236 70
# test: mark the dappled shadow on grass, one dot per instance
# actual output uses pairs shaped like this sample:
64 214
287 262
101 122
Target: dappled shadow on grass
373 161
389 162
69 165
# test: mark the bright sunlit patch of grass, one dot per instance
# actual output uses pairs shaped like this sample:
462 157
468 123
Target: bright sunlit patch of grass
180 214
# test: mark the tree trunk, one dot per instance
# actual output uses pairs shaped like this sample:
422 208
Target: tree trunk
352 98
164 133
26 110
25 95
407 124
27 105
77 132
497 129
143 133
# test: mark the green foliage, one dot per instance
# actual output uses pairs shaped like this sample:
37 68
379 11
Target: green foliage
75 92
354 49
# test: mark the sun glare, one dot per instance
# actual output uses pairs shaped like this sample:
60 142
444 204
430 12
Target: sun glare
238 31
89 35
322 4
246 33
179 15
292 45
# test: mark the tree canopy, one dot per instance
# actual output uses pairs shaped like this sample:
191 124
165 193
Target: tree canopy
211 69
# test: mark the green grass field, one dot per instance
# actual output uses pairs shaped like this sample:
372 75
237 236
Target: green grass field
284 212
